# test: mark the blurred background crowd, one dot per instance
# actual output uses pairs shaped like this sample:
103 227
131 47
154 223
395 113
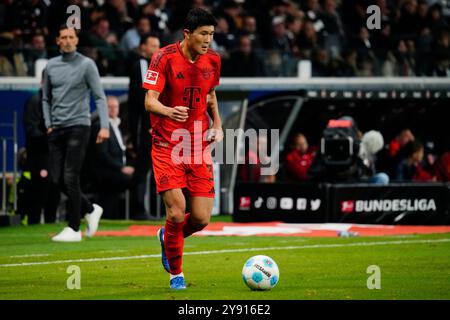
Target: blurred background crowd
254 37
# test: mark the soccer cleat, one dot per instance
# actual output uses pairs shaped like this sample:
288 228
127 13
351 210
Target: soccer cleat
92 220
164 260
68 235
177 283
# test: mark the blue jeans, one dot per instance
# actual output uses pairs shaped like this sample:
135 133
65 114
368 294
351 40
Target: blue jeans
380 178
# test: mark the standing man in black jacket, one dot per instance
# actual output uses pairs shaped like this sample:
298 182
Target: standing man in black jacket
139 118
44 193
112 174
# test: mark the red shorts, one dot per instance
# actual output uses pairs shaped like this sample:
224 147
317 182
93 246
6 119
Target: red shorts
198 179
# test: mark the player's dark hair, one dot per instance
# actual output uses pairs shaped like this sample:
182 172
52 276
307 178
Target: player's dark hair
199 17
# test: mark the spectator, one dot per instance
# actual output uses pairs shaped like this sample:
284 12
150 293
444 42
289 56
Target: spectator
36 51
333 28
12 61
443 167
407 23
231 11
401 140
107 46
308 40
117 16
363 46
299 158
441 55
400 63
279 40
345 66
44 194
410 168
254 160
132 37
321 63
243 62
68 80
250 28
111 172
224 39
27 16
294 27
139 121
158 14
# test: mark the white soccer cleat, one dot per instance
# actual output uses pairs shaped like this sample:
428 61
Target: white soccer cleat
68 235
92 220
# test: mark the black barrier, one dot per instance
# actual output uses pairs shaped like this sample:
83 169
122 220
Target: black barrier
408 204
288 202
412 204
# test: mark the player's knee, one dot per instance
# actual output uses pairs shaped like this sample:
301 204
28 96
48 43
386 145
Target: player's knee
200 224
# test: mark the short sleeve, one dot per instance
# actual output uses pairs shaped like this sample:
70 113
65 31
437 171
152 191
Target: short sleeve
155 77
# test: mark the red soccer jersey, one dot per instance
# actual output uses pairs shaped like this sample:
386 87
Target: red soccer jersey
181 83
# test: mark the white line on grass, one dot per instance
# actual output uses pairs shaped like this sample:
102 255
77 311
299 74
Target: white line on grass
147 256
31 255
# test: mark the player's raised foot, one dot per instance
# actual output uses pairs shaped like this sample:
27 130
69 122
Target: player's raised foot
164 261
68 235
92 220
177 283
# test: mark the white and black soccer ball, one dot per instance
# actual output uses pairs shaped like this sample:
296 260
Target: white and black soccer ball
260 273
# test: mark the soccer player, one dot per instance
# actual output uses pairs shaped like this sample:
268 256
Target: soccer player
181 82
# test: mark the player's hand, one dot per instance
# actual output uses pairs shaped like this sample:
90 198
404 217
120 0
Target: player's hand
215 134
179 113
103 134
49 130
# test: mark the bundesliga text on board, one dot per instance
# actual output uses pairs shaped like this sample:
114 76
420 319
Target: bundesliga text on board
388 205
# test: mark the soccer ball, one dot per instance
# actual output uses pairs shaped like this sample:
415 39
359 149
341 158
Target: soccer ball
260 273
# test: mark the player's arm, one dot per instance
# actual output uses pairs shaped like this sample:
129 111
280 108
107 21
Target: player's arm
213 111
153 105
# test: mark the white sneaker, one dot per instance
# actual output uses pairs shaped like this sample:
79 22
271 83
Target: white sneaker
68 235
92 220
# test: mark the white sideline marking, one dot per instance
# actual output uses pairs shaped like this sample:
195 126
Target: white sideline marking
147 256
31 255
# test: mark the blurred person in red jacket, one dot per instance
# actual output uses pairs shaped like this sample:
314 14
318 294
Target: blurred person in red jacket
443 167
299 159
401 139
410 168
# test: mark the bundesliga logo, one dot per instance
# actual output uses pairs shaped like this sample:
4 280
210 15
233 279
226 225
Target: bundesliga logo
386 205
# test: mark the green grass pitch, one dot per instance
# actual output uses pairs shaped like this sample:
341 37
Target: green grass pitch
411 267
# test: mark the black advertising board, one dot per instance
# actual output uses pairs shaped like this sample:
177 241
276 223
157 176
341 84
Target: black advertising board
407 204
287 202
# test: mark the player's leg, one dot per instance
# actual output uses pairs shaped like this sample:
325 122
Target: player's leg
175 204
170 179
198 219
200 184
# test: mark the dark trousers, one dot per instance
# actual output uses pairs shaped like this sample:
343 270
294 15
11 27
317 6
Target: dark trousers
142 167
44 194
111 186
67 148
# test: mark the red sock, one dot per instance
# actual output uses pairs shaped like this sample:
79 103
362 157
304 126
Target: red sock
173 244
188 228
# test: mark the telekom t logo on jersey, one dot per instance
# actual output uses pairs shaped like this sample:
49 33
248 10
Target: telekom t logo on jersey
264 148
